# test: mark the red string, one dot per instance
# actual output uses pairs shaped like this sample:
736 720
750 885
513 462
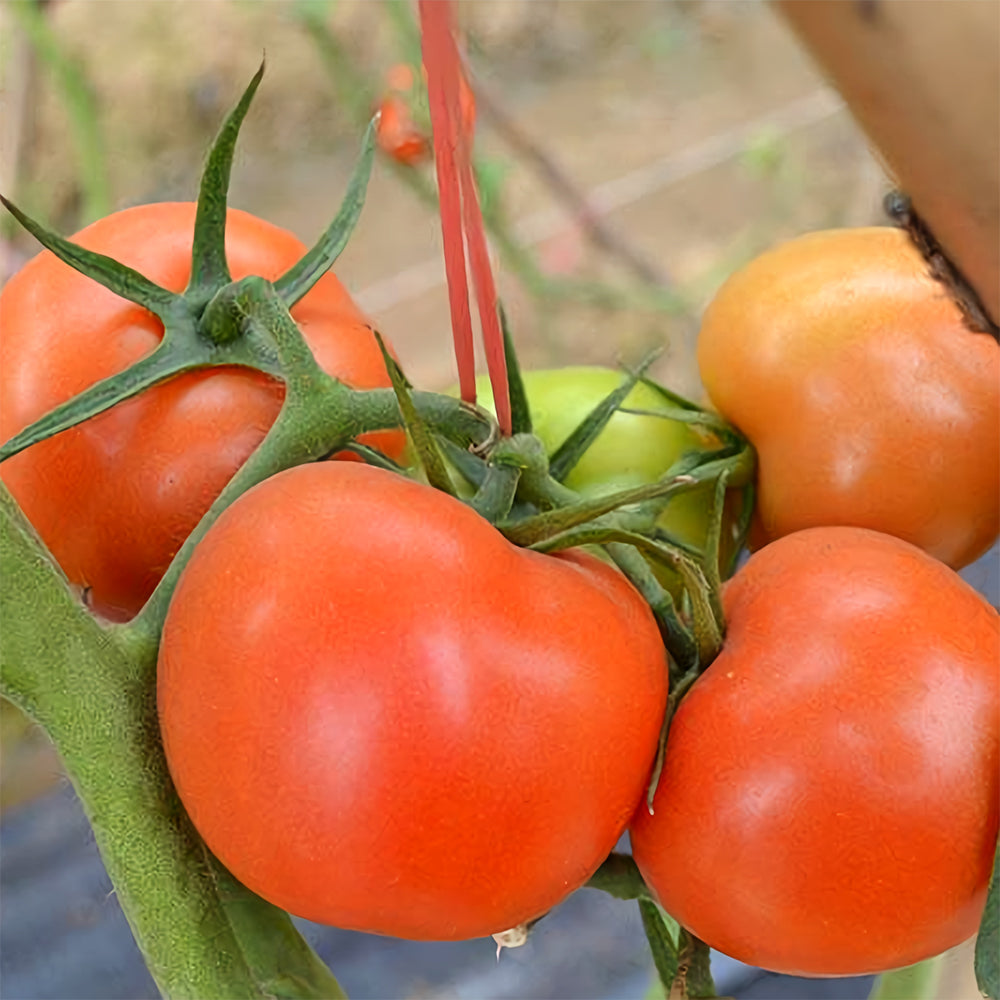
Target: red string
460 209
438 49
486 293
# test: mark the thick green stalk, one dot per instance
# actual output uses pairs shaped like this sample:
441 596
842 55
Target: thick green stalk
100 709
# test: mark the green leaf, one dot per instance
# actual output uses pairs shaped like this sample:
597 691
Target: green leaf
106 271
423 442
209 269
298 279
520 410
988 941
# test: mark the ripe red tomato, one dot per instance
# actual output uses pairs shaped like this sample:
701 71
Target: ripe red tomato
868 401
115 497
828 804
382 715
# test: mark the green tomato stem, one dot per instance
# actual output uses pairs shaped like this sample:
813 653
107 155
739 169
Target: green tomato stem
96 702
662 945
677 638
495 497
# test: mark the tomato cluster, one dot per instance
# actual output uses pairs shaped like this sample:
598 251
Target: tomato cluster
381 713
829 799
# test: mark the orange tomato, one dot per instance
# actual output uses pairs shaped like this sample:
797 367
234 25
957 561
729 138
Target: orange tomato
869 402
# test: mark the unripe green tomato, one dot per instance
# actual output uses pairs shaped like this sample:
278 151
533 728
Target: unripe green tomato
632 450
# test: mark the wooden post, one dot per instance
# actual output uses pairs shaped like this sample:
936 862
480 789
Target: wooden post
923 80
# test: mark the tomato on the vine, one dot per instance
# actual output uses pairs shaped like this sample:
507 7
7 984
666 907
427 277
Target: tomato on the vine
115 497
869 402
382 715
828 803
633 449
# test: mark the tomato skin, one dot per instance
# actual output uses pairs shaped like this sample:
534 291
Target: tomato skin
868 401
115 497
381 715
632 450
828 804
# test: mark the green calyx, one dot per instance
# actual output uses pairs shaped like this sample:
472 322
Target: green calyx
214 321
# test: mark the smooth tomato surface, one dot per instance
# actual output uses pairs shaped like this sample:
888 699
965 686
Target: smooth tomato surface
868 401
632 450
382 715
828 804
115 497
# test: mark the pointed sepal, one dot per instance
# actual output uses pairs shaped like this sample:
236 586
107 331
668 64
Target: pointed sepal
471 467
209 269
374 457
426 450
542 527
106 271
298 279
520 411
163 363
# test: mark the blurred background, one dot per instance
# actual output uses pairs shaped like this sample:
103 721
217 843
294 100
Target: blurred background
630 156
